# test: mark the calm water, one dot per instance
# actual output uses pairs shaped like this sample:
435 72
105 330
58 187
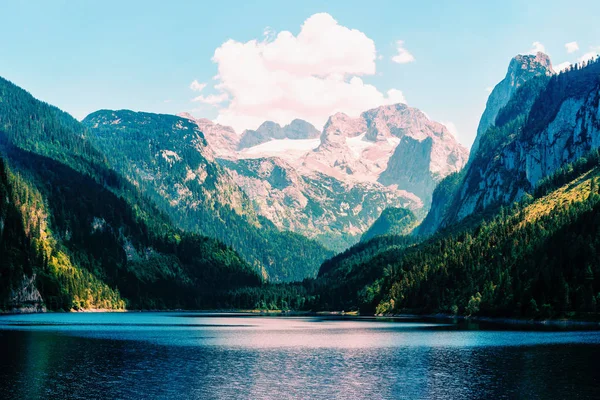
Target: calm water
206 356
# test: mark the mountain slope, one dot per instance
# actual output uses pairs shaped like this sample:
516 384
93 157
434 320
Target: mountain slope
392 221
537 259
318 206
169 160
74 234
88 247
548 122
520 70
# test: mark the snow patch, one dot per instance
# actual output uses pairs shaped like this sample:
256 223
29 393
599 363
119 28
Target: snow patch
287 149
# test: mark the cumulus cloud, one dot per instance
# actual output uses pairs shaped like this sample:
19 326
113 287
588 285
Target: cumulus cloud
590 55
212 99
537 47
562 66
571 47
403 56
197 86
283 76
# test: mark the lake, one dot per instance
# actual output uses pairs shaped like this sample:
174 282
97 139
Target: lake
231 356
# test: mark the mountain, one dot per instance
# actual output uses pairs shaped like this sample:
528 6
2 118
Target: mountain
536 259
520 70
223 139
169 160
332 186
268 130
318 206
75 235
519 233
394 145
392 221
549 121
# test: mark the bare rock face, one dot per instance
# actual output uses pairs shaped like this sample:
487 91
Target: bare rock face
332 186
339 127
372 148
427 151
549 121
26 298
316 205
269 130
520 70
223 139
408 167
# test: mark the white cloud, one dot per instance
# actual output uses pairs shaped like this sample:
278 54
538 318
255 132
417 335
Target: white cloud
571 47
310 76
403 56
451 128
197 86
537 47
212 99
590 55
562 66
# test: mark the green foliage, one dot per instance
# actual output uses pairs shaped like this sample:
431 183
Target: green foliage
534 254
392 221
87 234
164 156
29 250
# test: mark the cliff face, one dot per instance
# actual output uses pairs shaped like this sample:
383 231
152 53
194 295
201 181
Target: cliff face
223 139
520 70
394 145
409 167
317 205
26 298
547 123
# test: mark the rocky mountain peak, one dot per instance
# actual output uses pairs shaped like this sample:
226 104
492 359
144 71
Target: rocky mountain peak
521 68
341 126
529 64
269 130
223 139
397 120
300 129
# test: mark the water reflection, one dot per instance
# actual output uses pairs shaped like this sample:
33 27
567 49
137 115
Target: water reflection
189 356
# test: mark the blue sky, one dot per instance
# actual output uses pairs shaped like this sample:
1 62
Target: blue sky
83 56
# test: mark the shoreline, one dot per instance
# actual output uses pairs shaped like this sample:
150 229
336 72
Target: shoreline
563 322
506 321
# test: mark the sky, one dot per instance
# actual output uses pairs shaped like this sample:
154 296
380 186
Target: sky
241 63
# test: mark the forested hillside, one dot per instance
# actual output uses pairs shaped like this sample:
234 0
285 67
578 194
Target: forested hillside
168 159
77 235
538 258
88 248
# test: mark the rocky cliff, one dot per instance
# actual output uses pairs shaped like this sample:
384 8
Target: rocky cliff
394 144
548 122
316 205
269 130
520 70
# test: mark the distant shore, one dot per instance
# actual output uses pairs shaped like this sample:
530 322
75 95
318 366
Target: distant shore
557 322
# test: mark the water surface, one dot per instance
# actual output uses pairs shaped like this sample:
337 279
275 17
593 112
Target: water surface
221 356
